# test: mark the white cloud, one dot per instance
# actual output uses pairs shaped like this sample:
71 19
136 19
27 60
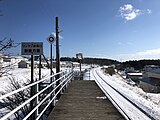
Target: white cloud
127 7
149 52
149 11
54 34
128 12
146 54
125 43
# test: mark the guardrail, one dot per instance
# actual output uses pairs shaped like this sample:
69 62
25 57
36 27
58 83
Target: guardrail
43 98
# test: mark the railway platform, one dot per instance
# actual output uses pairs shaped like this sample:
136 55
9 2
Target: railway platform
83 100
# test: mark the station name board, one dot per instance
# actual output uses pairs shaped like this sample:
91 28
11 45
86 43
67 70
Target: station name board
32 48
79 56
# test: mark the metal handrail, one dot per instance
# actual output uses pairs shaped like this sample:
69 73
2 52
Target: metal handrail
64 79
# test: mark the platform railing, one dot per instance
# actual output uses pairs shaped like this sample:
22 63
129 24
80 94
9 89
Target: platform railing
41 104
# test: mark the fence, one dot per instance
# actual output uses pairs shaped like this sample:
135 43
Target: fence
43 98
83 75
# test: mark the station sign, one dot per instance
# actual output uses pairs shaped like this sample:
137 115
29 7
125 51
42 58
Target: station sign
79 56
51 38
31 48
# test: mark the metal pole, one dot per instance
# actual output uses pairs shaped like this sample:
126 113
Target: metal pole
57 56
47 63
80 65
51 64
89 73
80 70
40 66
32 103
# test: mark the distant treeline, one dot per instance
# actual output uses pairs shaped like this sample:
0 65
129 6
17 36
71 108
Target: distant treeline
139 64
97 61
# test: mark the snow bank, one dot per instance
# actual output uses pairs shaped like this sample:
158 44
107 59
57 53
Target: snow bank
147 101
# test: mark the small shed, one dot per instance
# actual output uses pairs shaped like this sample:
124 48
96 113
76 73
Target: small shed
23 64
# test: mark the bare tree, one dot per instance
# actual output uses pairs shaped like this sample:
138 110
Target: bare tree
4 45
4 70
12 102
15 100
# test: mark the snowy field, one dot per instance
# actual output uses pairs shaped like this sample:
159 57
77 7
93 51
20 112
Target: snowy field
23 75
149 102
20 74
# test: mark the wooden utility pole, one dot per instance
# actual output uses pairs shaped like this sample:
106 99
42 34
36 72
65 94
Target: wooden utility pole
57 53
57 48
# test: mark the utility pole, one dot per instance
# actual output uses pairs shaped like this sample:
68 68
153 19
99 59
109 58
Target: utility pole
57 55
57 48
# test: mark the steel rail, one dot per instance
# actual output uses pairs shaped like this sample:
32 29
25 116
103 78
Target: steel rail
115 103
111 99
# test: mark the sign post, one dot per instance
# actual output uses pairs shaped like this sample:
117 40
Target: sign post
51 39
79 57
32 48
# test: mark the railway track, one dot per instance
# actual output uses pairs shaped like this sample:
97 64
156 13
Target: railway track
125 106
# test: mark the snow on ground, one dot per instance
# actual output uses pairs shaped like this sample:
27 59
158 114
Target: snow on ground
20 74
147 101
24 74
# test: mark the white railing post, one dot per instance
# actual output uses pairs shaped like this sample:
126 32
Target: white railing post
37 98
63 74
54 86
64 81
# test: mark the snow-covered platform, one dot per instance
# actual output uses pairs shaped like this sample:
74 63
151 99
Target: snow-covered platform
84 100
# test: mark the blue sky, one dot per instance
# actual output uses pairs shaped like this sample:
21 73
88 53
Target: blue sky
116 29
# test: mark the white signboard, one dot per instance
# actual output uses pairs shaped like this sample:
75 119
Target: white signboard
32 48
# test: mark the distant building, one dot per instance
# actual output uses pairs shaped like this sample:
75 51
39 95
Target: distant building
12 58
151 79
27 64
134 76
19 58
23 64
7 59
129 69
75 64
151 71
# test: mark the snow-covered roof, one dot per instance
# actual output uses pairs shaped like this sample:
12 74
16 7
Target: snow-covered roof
135 74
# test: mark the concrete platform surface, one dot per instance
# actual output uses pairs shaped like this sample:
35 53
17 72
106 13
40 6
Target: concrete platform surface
83 100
